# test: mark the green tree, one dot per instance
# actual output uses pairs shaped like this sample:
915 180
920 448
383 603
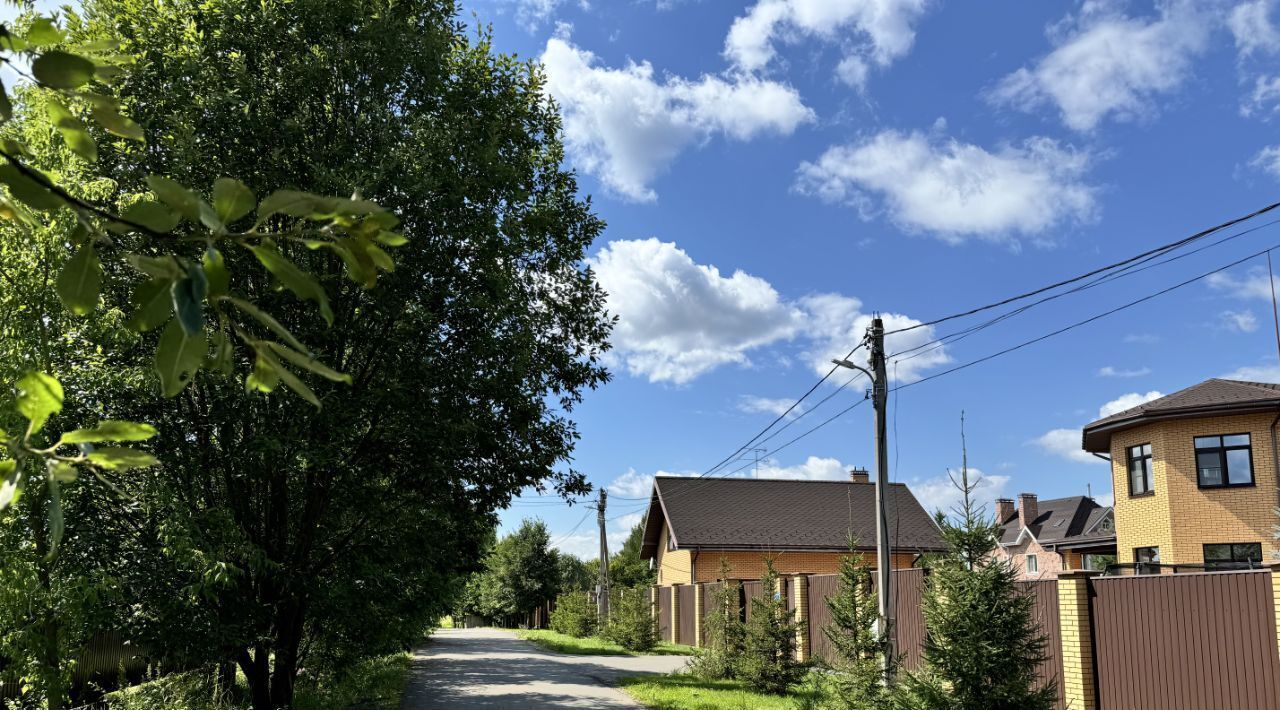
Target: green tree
575 575
768 662
574 615
631 624
626 567
855 636
983 645
723 629
522 572
349 527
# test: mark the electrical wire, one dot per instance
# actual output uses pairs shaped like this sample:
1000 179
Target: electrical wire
1152 252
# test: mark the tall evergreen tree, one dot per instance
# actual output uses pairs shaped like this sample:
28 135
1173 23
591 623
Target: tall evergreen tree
768 661
722 629
855 636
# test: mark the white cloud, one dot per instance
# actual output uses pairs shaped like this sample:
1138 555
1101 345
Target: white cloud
1106 64
586 545
837 323
941 493
1141 338
678 319
632 484
625 125
1250 24
868 31
1265 99
752 404
814 468
1255 373
1105 500
1110 371
1254 284
1268 160
1065 443
1126 401
1240 321
952 189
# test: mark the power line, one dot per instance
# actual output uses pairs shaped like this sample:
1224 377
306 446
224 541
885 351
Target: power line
1152 252
1091 319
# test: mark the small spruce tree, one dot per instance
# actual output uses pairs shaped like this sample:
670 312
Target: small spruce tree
857 642
983 645
768 662
723 631
631 624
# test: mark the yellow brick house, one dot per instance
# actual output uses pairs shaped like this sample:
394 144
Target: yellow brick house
802 526
1194 475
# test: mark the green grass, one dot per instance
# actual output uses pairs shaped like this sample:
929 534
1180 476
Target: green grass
595 646
375 684
682 691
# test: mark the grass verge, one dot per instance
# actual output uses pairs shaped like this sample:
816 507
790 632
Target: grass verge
682 691
595 646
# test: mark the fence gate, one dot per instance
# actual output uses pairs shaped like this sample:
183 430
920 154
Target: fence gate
1186 642
688 619
1046 618
664 613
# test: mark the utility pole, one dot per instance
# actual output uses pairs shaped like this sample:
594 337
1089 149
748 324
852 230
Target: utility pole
884 575
602 594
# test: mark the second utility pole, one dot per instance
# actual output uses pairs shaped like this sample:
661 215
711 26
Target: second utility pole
884 574
602 596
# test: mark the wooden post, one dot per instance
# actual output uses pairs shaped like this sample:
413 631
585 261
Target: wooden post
698 614
800 587
675 613
1078 663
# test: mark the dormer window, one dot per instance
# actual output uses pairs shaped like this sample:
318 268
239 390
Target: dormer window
1139 469
1224 461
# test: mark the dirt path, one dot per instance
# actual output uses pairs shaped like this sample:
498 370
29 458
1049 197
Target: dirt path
489 668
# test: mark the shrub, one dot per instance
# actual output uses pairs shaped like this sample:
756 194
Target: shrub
723 632
768 663
574 615
631 625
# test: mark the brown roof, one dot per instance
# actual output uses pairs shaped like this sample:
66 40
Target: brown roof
767 514
1060 521
1211 397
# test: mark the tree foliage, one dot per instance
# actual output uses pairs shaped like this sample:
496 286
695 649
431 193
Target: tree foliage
768 663
722 629
574 615
856 638
631 624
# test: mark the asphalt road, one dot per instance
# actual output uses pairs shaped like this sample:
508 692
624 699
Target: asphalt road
490 668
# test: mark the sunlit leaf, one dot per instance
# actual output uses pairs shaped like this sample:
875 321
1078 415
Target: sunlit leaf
62 472
163 267
289 202
10 483
115 123
152 215
80 281
288 378
73 130
265 375
110 430
173 194
39 397
232 200
308 363
215 272
392 239
301 283
44 32
60 70
31 192
266 319
178 357
119 458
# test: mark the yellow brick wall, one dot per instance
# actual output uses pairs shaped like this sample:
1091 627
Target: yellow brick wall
673 565
1180 517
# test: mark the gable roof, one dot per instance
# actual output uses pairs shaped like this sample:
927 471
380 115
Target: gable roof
769 514
1058 521
1211 397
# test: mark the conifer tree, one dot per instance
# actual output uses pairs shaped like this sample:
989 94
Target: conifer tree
768 663
855 637
722 631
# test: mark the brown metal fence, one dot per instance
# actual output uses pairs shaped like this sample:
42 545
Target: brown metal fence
1186 642
908 592
750 590
821 588
708 599
1045 616
664 613
688 619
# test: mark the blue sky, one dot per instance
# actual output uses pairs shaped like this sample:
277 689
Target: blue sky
774 171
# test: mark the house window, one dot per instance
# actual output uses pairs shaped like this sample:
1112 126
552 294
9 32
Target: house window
1139 469
1235 555
1224 461
1033 565
1147 559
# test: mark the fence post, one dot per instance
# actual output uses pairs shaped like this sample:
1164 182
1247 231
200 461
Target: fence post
698 614
800 587
1275 596
675 613
653 603
1078 663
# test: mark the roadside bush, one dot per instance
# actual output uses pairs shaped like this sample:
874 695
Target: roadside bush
631 625
723 632
574 615
768 663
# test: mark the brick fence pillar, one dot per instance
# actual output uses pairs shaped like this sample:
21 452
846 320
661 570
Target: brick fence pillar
653 603
675 613
1078 663
698 614
800 587
1275 596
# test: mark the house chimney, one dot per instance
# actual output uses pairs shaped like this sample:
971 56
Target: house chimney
859 475
1004 510
1028 510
